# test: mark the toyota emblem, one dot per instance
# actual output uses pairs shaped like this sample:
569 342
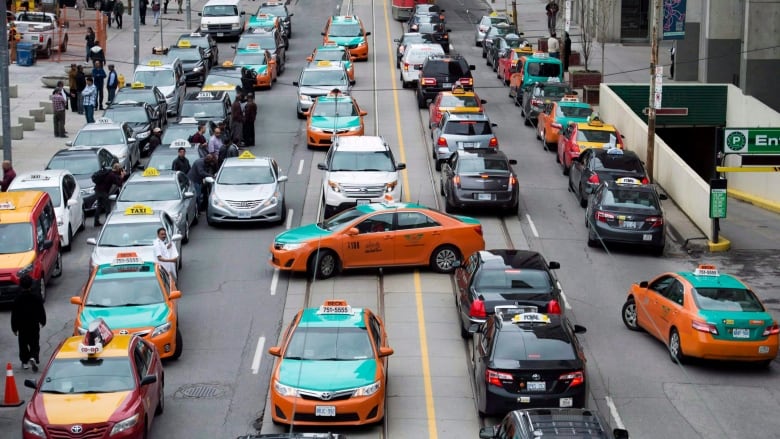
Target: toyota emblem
123 331
536 377
326 396
76 429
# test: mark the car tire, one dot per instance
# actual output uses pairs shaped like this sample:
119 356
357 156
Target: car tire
196 217
437 165
404 84
658 251
629 315
67 248
565 168
161 400
179 346
675 347
592 242
323 264
57 270
300 115
42 288
464 332
47 52
441 188
484 52
583 201
443 257
186 237
448 207
282 214
421 101
64 45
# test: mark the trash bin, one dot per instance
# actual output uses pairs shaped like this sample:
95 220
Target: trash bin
25 53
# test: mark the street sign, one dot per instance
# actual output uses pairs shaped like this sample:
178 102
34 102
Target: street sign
667 111
718 198
751 141
659 86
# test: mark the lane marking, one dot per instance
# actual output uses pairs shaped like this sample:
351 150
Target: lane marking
300 167
614 412
274 281
288 223
533 226
258 355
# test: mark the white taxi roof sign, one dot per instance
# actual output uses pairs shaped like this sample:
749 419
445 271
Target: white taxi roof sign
104 120
137 85
151 172
246 155
127 258
7 205
37 177
706 270
205 95
154 63
570 98
253 47
180 143
628 180
139 209
531 317
335 306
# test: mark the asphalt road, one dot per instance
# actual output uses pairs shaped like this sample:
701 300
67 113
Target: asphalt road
234 305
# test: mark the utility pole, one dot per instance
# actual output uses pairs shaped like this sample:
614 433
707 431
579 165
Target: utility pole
136 33
651 107
514 15
6 99
189 15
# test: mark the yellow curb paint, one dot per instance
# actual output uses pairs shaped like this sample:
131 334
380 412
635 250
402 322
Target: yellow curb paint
754 200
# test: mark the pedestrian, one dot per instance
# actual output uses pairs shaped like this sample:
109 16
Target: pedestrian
99 78
237 122
229 149
181 163
81 84
165 252
107 7
90 39
225 137
97 54
81 6
154 139
566 51
672 52
165 6
113 80
59 105
250 115
28 316
89 96
216 142
8 175
201 169
554 46
119 11
179 3
142 4
13 37
156 11
199 140
103 187
552 15
74 102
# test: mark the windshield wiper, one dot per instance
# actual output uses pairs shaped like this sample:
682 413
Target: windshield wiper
96 391
57 392
136 304
109 245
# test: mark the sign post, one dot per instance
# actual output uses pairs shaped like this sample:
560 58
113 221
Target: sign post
718 203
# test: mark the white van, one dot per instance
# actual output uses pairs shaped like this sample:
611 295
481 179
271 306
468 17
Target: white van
222 18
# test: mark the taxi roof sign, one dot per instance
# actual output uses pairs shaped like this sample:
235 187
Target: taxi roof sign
154 63
127 258
7 205
629 181
139 209
531 317
98 335
706 270
180 143
104 120
205 95
246 155
227 64
335 306
457 89
323 63
137 85
570 98
184 43
37 177
151 172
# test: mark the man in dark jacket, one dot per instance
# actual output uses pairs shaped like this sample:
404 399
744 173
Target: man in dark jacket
103 189
181 163
154 139
8 175
201 169
81 84
28 316
250 115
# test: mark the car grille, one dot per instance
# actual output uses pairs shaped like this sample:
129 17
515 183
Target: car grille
355 191
251 204
87 431
326 396
220 27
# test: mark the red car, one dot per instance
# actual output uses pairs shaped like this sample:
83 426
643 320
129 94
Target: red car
506 63
457 100
577 136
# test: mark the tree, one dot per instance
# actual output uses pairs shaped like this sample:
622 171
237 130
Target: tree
595 20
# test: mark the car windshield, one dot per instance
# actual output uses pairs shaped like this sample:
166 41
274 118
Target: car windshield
88 375
108 292
417 55
511 279
332 344
81 164
546 69
497 31
617 198
428 28
361 161
334 109
468 128
277 10
453 101
175 132
323 77
129 115
726 299
620 163
220 11
482 164
185 55
137 96
149 191
573 112
341 221
244 59
345 30
264 42
514 43
129 234
207 109
162 159
15 238
99 137
159 77
415 38
452 69
235 175
330 55
533 345
54 193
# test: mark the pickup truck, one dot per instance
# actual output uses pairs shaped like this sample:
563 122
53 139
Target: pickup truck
40 28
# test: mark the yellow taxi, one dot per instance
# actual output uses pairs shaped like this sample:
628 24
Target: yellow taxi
96 385
577 136
458 100
335 114
331 367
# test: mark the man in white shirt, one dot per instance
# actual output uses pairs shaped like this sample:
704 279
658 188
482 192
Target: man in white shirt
165 252
554 46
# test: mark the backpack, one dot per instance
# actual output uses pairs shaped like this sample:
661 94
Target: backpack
100 175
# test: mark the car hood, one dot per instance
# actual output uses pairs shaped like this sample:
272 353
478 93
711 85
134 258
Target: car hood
362 177
166 90
118 150
244 192
13 261
128 316
327 375
302 234
88 408
321 90
337 122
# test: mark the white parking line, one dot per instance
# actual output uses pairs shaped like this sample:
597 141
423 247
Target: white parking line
288 224
300 167
258 355
614 412
274 281
533 227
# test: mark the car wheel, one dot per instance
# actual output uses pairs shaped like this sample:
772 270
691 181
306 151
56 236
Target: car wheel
629 315
448 207
506 81
464 332
495 68
565 168
42 288
421 101
180 263
675 347
196 217
47 53
443 258
64 45
441 187
593 242
57 271
179 346
68 247
300 115
323 264
658 251
161 400
583 201
404 84
282 214
186 238
437 165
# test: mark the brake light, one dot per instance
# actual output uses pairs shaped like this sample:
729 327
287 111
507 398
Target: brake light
512 181
40 38
466 81
576 378
553 307
493 142
478 229
483 28
645 180
406 66
704 327
655 221
594 179
477 309
428 81
771 330
456 180
604 216
496 378
441 142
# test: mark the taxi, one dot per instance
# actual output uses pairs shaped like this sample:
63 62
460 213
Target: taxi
132 230
508 64
378 235
259 61
97 385
148 309
347 31
225 77
334 53
319 79
140 92
458 100
265 21
331 367
704 314
577 136
65 194
335 114
116 137
556 115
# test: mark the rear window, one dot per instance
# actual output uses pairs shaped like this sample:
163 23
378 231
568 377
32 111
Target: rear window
483 164
529 345
630 198
468 128
552 91
726 299
454 69
568 111
543 69
599 136
513 279
623 163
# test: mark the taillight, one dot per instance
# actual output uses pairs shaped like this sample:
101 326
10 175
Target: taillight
645 180
604 216
704 327
428 81
441 141
446 36
477 309
40 38
466 81
478 229
456 180
406 66
594 179
771 330
536 102
483 28
496 378
553 307
655 221
512 181
493 142
576 378
575 149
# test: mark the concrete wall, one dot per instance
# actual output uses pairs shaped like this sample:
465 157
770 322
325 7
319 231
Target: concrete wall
761 55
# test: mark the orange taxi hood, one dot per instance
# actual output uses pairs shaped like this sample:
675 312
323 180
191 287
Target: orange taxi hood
89 408
15 261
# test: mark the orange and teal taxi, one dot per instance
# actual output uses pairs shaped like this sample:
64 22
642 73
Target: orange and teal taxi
331 367
259 61
347 31
266 22
577 136
98 385
335 114
148 309
557 115
334 53
378 235
458 100
704 314
509 64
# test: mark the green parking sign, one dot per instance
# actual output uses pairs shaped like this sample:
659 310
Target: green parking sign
751 141
718 197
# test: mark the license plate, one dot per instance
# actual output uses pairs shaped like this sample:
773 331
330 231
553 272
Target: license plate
647 237
220 34
740 333
325 410
629 224
418 67
566 402
484 196
244 215
536 386
469 144
446 84
363 201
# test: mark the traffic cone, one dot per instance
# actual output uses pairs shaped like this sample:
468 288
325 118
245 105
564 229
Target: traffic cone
11 398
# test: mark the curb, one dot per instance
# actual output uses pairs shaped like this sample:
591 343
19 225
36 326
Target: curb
763 203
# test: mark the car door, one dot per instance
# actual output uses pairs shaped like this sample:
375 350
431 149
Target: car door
564 139
417 234
464 276
171 229
45 229
481 358
578 171
133 151
649 306
142 359
71 191
447 174
670 308
373 244
188 204
544 119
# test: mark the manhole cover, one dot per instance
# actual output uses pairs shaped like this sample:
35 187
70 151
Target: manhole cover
201 391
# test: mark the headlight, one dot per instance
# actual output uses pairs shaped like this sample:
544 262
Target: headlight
165 327
215 201
122 156
362 43
367 390
390 186
291 246
142 135
334 186
33 428
60 222
204 26
198 69
285 390
304 98
124 425
25 271
235 26
272 200
88 191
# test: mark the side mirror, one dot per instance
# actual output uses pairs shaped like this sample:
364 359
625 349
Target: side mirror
113 197
295 83
397 40
47 244
131 140
209 180
482 101
367 34
322 33
200 14
69 143
281 179
472 67
76 300
663 197
30 384
290 15
176 237
363 112
232 46
352 231
322 166
620 433
148 379
188 195
243 13
276 351
554 265
579 329
71 202
494 125
309 58
175 294
449 30
91 241
487 432
512 161
385 351
400 166
643 284
556 125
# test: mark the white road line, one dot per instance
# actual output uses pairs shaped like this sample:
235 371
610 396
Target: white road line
288 224
533 227
274 281
258 355
300 167
614 412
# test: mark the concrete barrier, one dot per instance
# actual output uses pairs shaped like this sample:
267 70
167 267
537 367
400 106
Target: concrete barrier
27 123
38 114
48 108
13 91
17 132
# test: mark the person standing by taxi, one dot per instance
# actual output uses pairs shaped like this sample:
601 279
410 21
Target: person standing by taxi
99 77
215 143
8 175
13 37
89 96
237 121
181 163
165 252
81 84
28 316
250 115
103 188
154 139
554 46
59 104
112 82
201 169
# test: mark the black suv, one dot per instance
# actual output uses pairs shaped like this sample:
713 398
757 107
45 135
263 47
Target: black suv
207 42
211 107
552 423
439 73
